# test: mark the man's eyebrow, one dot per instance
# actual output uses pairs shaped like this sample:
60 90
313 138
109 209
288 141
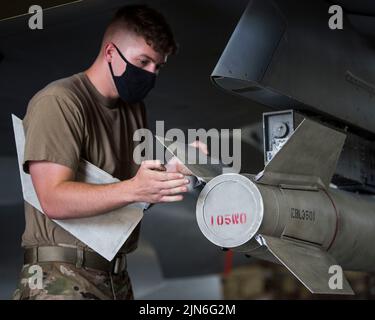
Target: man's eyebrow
149 58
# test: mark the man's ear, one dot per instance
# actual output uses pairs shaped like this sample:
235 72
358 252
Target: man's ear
108 52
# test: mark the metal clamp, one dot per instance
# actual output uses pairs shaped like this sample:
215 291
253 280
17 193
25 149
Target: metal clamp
119 264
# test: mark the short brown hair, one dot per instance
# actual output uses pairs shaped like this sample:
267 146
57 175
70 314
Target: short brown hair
147 23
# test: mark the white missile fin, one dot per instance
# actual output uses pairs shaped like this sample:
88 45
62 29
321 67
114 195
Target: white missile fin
309 157
202 166
316 269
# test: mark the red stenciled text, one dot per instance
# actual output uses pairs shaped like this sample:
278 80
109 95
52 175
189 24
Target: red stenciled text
228 219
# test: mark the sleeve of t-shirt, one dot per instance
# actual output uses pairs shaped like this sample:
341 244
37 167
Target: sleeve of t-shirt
53 132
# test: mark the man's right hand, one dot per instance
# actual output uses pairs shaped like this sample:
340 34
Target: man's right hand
153 184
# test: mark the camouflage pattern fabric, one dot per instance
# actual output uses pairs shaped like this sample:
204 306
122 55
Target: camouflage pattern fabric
61 281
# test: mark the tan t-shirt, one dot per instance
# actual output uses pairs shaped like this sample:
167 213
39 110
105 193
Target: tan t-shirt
68 120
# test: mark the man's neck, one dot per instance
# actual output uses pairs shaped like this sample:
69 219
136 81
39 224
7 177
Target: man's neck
101 79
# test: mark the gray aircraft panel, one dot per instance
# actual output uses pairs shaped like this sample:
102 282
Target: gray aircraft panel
283 54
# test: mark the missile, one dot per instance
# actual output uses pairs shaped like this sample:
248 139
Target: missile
289 214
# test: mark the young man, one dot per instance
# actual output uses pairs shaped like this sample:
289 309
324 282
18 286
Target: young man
93 115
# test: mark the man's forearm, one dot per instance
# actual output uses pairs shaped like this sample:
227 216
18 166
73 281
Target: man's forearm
70 199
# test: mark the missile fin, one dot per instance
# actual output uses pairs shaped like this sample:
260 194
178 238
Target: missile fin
309 157
205 169
316 269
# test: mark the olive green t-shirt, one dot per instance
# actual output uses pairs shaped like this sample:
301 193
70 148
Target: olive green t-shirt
70 120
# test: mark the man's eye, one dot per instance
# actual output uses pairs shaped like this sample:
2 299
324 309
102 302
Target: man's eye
144 62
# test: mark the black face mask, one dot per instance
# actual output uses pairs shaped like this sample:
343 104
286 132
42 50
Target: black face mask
135 83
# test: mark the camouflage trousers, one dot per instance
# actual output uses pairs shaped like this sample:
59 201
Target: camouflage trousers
61 281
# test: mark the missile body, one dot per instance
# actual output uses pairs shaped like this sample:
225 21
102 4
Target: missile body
233 209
